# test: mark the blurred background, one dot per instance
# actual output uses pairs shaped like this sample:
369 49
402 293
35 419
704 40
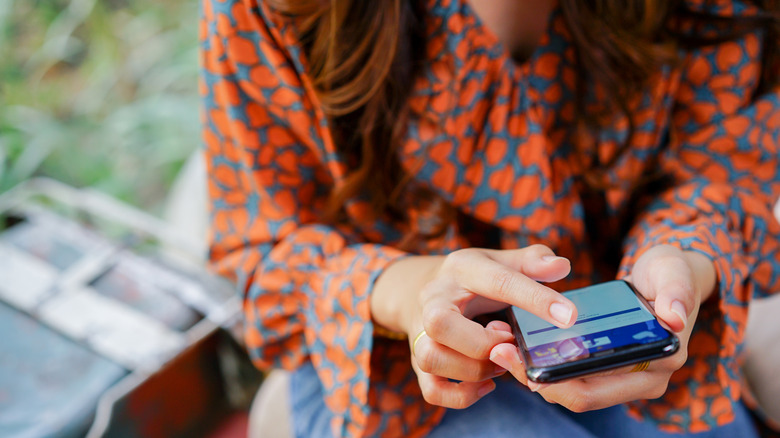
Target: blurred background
102 94
99 93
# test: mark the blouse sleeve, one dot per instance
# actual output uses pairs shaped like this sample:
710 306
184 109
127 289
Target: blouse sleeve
723 153
306 286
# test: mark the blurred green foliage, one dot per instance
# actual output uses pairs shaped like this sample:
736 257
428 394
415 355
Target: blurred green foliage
99 93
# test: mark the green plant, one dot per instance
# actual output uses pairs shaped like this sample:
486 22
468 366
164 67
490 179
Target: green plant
98 93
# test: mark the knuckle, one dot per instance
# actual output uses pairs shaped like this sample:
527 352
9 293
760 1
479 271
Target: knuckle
481 372
662 264
658 391
675 361
457 258
481 352
429 393
503 282
487 370
457 402
537 250
431 397
548 398
429 289
434 321
678 360
426 360
461 401
580 402
457 264
538 298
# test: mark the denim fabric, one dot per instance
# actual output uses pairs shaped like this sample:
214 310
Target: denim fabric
509 411
311 418
513 411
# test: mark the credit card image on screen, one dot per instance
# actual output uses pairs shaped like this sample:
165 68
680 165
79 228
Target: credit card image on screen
614 327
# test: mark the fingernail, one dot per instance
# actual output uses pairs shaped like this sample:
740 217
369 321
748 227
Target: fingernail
502 333
679 309
550 258
500 360
492 325
561 312
534 387
486 388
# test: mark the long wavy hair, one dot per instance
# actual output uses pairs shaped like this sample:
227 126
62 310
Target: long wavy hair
363 56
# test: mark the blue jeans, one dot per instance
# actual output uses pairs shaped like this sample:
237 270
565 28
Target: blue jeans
509 411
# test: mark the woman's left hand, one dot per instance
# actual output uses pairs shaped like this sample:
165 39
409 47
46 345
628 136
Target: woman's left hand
674 282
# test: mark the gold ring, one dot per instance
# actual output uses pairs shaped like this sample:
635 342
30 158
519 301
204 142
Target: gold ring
641 366
416 340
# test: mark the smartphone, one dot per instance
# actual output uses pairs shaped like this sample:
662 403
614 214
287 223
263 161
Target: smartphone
615 327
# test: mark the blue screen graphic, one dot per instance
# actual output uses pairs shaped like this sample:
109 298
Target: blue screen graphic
609 316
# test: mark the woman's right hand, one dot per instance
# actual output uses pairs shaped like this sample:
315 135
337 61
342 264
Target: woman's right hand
441 295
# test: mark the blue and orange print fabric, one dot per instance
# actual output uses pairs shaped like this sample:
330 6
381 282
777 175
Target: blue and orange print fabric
493 144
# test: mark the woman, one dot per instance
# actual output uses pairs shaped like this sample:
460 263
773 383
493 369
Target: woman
382 173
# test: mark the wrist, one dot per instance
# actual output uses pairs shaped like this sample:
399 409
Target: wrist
394 300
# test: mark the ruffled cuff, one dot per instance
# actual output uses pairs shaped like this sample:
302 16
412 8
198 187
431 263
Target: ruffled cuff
702 394
340 334
310 301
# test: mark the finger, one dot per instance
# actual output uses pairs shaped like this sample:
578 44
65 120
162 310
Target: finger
440 391
499 326
437 359
670 283
444 323
581 395
537 262
507 357
663 275
486 277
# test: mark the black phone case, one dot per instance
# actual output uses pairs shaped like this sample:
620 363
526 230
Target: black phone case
600 361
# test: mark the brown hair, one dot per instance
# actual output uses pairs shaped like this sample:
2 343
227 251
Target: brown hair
362 58
364 55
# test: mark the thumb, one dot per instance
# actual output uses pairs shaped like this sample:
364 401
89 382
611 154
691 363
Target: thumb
507 357
672 286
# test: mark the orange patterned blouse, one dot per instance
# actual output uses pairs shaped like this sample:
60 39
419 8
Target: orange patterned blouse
494 144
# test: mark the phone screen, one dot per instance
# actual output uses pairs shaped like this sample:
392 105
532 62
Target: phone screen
610 317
